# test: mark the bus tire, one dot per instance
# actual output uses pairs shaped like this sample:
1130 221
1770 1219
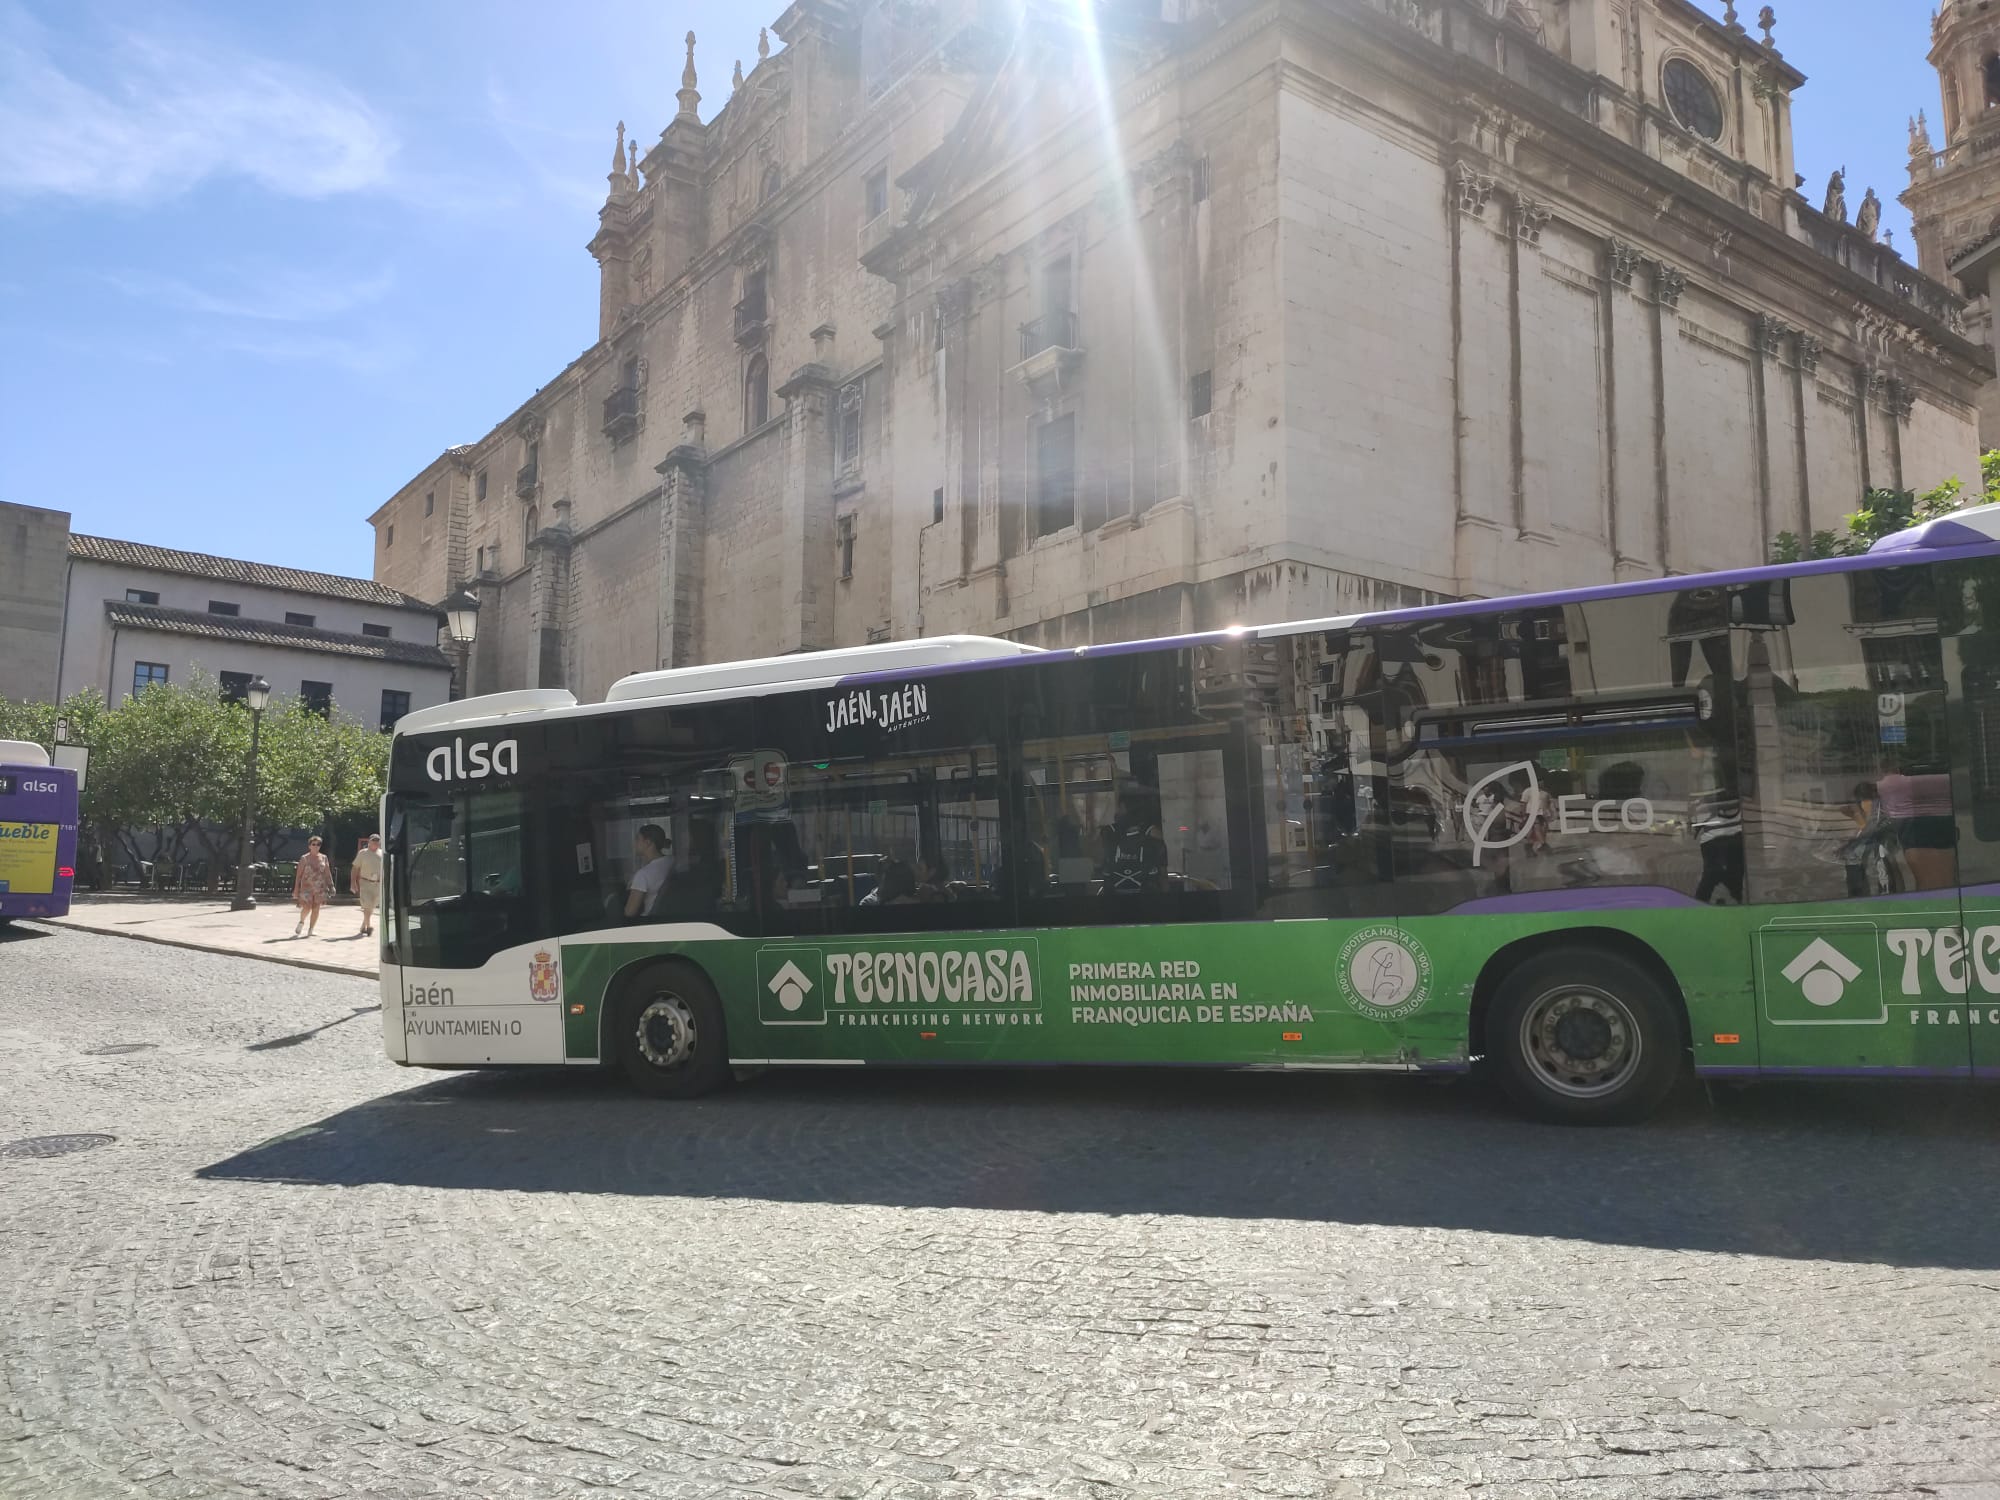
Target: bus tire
1584 1038
667 1033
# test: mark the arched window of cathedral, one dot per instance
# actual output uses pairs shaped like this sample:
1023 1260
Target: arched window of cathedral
756 394
1951 108
530 524
1992 74
1692 99
769 185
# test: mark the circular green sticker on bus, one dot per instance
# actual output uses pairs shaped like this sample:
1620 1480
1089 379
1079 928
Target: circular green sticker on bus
1384 972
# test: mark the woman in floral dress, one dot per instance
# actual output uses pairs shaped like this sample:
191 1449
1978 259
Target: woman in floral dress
312 887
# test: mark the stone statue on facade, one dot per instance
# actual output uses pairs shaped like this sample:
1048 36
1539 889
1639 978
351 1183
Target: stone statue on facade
1869 217
1836 197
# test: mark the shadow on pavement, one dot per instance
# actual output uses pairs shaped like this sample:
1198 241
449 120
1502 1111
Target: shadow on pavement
14 932
298 1037
1885 1173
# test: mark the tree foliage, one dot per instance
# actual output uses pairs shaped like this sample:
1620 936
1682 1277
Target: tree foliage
1884 512
174 762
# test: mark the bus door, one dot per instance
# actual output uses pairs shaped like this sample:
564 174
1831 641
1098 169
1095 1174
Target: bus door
389 973
475 960
1971 613
1853 829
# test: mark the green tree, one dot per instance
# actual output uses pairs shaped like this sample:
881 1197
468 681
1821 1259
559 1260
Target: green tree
313 768
174 762
1884 512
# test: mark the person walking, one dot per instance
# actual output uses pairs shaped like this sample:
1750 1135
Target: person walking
367 879
312 887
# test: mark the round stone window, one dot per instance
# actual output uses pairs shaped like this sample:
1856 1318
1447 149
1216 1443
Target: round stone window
1692 98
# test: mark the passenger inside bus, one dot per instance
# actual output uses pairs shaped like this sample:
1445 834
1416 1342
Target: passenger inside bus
1134 852
650 869
695 890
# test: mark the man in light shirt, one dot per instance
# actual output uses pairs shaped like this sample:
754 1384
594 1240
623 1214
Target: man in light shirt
367 879
651 868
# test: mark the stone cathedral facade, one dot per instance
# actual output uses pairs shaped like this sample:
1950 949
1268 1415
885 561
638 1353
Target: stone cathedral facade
1954 191
958 317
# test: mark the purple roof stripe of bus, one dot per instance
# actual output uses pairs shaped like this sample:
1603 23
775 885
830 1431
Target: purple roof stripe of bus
1679 583
1959 542
1943 532
1581 898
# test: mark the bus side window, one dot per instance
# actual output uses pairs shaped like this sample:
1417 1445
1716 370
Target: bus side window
1846 745
658 789
1313 712
1132 796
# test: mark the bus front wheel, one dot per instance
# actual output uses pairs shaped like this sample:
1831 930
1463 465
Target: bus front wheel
1584 1037
668 1034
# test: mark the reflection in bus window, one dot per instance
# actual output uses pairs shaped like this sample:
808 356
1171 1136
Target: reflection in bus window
1125 804
879 840
1849 791
456 879
1314 710
1537 753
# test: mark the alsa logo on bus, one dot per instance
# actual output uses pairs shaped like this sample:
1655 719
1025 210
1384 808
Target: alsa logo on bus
459 761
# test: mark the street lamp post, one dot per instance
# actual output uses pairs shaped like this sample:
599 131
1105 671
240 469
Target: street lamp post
461 623
258 696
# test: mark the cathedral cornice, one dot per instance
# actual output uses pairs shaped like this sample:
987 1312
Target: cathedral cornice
1673 200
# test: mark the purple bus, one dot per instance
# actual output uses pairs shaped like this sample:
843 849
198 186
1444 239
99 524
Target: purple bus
37 833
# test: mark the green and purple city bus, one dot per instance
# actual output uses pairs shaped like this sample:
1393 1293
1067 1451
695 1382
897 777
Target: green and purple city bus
37 833
1745 824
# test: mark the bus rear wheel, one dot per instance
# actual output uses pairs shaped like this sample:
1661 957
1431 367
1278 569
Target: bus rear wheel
667 1033
1584 1037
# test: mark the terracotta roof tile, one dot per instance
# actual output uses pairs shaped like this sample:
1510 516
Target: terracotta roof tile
104 549
271 633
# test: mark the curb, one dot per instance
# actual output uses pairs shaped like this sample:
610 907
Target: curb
63 924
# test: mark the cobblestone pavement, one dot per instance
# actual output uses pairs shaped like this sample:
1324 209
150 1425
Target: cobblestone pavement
300 1272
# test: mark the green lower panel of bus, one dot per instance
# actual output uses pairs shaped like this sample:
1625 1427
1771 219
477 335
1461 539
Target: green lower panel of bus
1878 987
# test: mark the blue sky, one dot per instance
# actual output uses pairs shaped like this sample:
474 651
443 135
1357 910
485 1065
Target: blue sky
260 263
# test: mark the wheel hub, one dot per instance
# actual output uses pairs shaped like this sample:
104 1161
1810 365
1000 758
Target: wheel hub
666 1031
1583 1042
1584 1034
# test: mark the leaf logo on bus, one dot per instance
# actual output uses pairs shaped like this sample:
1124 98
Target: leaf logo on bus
459 761
1479 822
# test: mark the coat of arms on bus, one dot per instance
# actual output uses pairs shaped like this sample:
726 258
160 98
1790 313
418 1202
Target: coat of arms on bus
542 981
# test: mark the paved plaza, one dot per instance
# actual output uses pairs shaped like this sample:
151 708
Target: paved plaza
296 1271
208 923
